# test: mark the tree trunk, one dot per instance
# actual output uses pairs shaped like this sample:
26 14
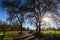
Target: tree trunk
36 25
21 27
39 27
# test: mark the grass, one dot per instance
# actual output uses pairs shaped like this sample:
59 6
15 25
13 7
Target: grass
50 31
10 34
15 33
1 32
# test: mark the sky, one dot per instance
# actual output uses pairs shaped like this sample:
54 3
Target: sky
3 16
3 13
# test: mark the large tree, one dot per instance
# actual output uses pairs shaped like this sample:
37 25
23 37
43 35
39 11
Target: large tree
36 7
39 8
15 14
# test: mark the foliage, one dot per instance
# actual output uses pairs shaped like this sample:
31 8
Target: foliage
11 34
17 9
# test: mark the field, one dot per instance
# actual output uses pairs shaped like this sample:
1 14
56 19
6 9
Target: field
10 34
50 31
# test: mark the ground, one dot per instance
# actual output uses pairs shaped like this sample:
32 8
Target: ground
9 35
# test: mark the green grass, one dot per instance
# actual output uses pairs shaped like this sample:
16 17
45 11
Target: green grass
1 32
15 33
50 31
10 34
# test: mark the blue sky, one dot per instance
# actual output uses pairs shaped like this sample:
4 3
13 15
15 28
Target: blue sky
4 16
3 13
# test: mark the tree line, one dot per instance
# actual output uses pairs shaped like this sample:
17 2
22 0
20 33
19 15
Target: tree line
7 27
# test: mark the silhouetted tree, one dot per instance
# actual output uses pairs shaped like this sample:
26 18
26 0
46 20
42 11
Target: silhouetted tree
36 7
15 14
39 9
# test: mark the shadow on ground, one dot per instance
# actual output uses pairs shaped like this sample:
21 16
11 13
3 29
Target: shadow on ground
37 36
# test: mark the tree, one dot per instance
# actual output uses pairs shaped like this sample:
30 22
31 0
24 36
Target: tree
14 13
39 9
36 7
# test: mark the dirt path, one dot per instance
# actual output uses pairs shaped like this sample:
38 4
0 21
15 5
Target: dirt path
25 36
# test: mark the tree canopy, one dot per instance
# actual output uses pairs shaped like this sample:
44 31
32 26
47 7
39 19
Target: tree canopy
17 10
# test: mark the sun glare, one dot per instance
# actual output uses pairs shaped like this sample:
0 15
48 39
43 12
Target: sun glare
46 19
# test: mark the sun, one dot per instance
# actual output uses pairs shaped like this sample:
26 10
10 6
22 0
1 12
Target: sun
46 19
